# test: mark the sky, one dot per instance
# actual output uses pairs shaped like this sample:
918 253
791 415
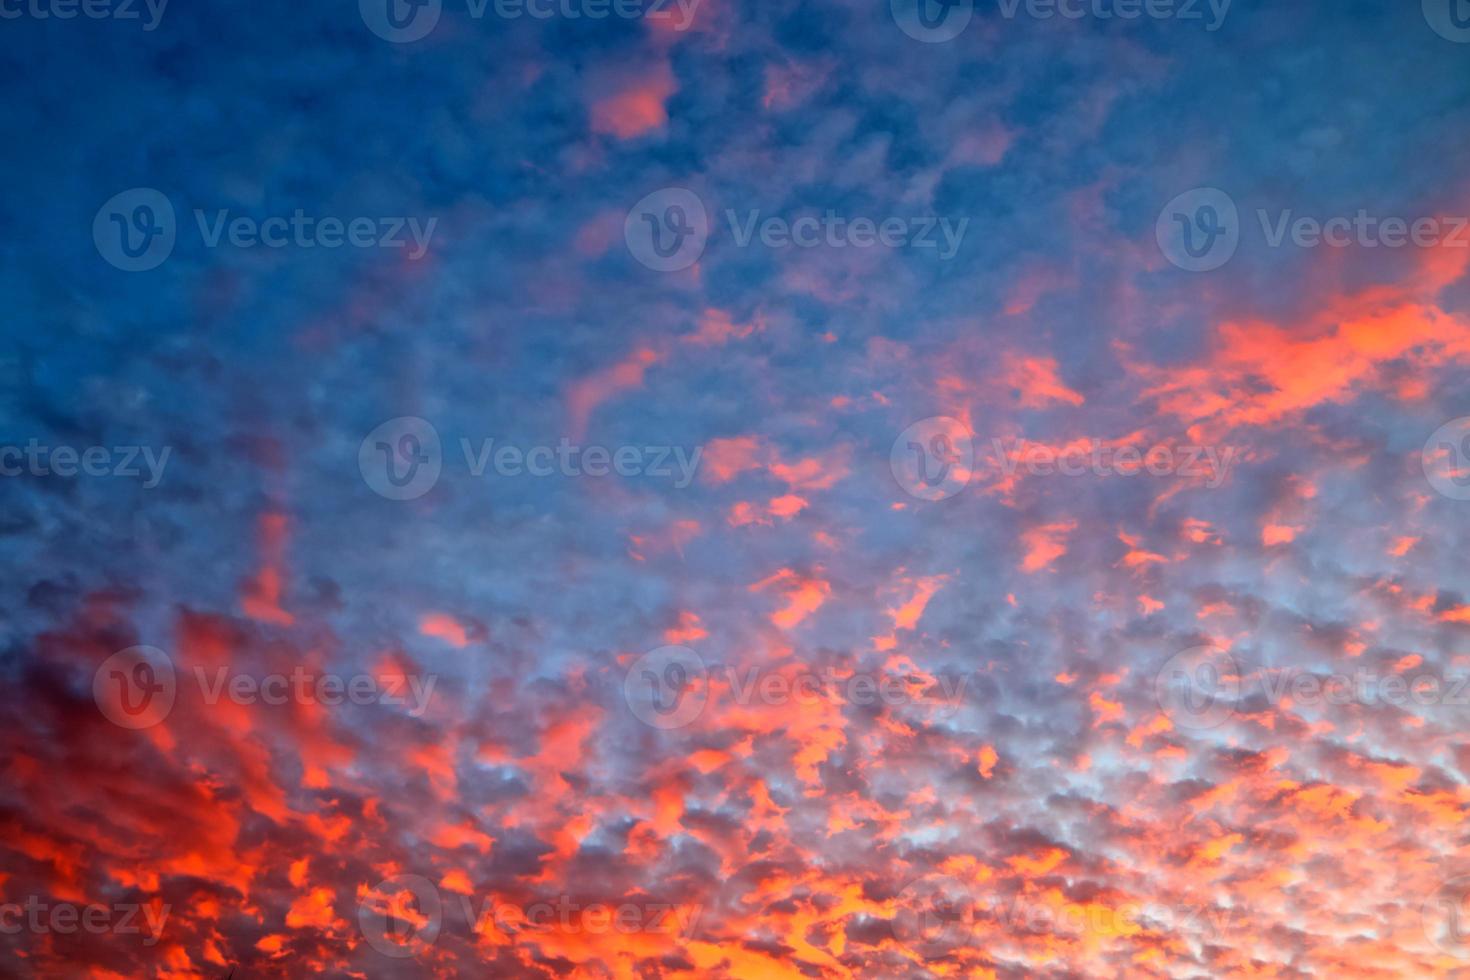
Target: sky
639 489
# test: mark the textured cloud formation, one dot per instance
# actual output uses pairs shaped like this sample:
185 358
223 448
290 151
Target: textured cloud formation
647 646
